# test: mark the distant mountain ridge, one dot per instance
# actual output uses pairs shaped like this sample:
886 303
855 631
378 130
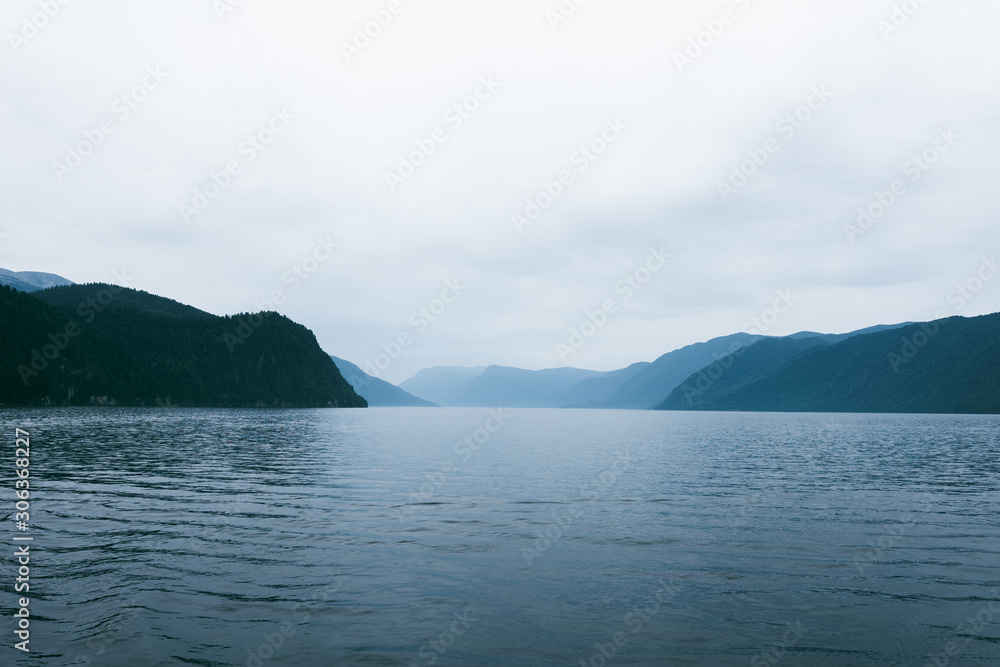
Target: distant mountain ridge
652 384
493 386
947 366
377 392
641 386
594 391
31 281
440 384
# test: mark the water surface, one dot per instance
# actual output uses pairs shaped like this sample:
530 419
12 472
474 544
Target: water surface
441 537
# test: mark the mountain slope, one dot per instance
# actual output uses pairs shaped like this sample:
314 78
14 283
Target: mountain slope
947 366
31 281
836 338
593 390
61 355
654 383
641 386
378 393
731 373
94 295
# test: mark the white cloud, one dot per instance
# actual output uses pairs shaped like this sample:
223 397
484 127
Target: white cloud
657 185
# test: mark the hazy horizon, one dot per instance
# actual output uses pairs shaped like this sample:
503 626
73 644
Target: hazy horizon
487 365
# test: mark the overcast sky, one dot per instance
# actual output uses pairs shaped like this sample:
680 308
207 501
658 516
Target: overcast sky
183 84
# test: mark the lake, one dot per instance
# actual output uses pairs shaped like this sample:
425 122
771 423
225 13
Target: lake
420 537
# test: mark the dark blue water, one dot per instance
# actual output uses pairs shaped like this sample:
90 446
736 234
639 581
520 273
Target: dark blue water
419 537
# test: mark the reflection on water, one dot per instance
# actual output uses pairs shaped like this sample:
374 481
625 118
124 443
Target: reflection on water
422 537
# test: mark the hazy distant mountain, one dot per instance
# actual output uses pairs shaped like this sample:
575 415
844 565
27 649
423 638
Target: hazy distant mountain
378 393
440 384
31 281
594 390
654 382
495 386
641 386
947 366
515 387
99 351
644 386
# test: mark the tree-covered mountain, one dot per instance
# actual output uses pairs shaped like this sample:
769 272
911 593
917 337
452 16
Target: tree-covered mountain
31 281
733 372
99 351
947 366
95 295
377 392
641 388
